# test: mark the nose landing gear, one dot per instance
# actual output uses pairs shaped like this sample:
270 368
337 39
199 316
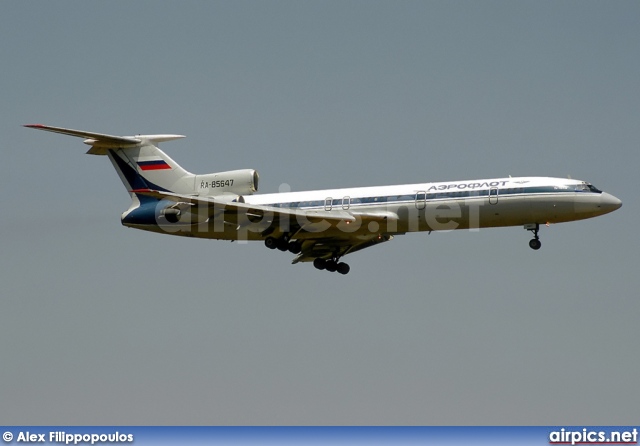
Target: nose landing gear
534 243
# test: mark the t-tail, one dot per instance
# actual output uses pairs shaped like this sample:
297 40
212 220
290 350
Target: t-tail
138 161
143 167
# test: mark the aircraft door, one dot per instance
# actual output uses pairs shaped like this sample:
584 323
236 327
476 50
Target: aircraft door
328 202
493 195
421 200
346 202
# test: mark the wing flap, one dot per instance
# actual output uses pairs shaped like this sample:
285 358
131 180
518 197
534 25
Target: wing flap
327 248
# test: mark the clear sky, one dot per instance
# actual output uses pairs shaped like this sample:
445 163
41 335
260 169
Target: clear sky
100 324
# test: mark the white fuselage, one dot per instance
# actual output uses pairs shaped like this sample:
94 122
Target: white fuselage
460 204
430 206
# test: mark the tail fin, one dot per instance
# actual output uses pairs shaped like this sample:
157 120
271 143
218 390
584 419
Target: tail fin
138 161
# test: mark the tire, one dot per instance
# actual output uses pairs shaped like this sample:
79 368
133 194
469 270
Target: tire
320 263
295 247
343 268
535 244
270 242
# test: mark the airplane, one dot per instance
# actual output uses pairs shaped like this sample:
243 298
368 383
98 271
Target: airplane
322 226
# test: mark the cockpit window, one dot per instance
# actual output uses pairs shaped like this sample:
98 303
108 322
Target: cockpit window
592 188
582 187
586 187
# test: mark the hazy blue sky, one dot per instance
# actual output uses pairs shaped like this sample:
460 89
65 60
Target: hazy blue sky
100 324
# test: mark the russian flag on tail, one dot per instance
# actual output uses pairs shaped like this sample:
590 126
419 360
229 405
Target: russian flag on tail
159 164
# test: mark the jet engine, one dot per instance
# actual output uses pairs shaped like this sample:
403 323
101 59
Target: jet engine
238 182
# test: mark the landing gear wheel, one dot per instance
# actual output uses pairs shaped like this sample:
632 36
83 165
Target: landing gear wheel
295 247
282 244
331 265
270 242
320 263
535 242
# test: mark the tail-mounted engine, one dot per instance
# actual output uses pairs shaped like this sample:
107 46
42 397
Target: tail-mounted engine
234 182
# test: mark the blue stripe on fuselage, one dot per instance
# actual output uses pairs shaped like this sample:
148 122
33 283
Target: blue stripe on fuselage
135 180
439 195
147 213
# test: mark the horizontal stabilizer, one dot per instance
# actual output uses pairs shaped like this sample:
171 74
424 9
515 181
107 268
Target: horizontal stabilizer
101 141
98 137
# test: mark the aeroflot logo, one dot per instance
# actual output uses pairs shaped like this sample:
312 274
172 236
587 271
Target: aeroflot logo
154 165
467 185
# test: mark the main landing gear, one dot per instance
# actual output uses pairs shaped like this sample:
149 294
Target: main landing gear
283 244
332 265
535 242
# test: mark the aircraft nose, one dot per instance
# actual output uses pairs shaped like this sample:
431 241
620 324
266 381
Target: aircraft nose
609 203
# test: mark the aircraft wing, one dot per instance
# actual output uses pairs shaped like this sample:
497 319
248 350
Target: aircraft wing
329 247
323 234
